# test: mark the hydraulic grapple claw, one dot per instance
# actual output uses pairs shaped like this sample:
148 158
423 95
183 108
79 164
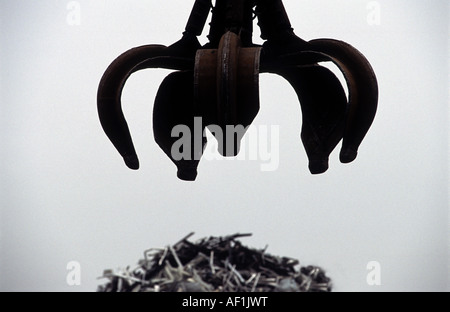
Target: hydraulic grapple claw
218 84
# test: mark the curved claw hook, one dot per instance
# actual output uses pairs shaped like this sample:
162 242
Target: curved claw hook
110 90
227 89
363 92
323 103
361 81
174 107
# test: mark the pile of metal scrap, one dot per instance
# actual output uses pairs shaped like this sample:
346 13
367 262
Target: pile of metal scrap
215 264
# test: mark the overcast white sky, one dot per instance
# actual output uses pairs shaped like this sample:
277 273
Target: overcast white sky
67 196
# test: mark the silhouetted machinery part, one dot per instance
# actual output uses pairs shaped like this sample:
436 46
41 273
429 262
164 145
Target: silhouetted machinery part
226 87
219 83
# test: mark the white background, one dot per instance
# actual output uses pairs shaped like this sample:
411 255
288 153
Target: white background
66 194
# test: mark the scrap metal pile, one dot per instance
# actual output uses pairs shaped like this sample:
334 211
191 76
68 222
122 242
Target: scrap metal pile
215 264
